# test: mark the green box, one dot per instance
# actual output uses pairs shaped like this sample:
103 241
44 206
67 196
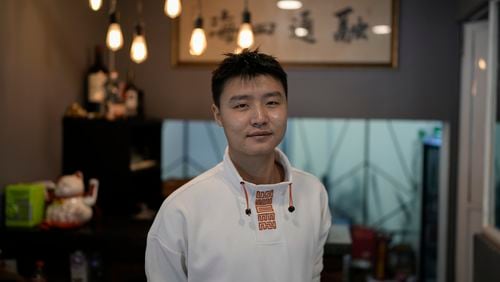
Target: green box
24 204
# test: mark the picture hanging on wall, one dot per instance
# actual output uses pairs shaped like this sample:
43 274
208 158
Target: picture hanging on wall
320 33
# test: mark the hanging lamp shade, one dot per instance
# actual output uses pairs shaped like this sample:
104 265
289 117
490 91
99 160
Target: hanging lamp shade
173 8
289 4
139 49
245 34
198 42
114 37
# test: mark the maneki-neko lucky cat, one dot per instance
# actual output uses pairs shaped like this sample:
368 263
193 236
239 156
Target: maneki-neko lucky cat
69 205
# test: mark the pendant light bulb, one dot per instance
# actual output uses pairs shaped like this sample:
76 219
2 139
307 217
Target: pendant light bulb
95 4
114 38
198 42
173 8
245 35
139 49
289 4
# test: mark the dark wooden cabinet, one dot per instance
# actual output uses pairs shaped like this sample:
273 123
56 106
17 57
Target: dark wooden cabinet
124 155
119 243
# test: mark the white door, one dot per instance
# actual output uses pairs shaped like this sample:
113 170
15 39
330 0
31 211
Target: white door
473 145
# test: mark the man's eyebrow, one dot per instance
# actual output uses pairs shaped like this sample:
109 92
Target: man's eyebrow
239 98
246 97
273 94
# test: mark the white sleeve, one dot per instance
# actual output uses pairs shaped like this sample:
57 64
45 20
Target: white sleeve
326 222
163 264
165 259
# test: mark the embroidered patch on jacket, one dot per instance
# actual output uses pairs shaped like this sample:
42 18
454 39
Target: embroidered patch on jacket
265 211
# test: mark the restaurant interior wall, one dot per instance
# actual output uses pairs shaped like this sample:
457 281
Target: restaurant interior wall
47 52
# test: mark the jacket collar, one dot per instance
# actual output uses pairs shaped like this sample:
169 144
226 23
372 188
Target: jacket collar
235 178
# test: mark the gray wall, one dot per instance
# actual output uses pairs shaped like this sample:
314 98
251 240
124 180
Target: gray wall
467 8
425 85
46 54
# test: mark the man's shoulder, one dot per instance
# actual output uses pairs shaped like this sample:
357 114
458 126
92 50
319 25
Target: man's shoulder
192 187
305 179
301 175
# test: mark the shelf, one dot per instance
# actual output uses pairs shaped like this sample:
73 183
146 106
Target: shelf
142 165
120 242
124 155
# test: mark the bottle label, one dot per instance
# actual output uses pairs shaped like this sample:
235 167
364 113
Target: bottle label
131 101
96 86
78 267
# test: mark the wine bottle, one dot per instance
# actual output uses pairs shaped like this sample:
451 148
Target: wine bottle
133 98
115 103
78 267
39 273
97 75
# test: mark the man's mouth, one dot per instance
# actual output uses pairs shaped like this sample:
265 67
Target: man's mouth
259 133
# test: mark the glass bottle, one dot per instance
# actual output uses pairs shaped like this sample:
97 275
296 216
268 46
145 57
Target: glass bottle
97 75
133 98
115 104
39 273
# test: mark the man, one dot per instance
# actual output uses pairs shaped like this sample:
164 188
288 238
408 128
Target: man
252 217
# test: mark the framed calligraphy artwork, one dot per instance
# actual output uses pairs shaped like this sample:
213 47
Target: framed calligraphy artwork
321 33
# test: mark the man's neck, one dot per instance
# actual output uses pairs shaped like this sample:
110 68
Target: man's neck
258 169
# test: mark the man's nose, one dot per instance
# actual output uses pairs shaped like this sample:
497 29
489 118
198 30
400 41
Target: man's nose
260 116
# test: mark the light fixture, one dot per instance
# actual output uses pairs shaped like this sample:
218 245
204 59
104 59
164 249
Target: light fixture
95 4
481 63
245 34
173 8
238 50
114 38
301 31
198 42
139 49
289 4
381 29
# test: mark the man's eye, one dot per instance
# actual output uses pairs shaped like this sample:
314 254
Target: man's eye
273 103
240 106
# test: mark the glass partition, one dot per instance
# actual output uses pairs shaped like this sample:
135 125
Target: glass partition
372 169
496 189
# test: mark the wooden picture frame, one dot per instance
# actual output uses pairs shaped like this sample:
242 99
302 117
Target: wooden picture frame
337 33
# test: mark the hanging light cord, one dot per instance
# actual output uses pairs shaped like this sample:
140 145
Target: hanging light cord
139 9
199 8
112 7
139 12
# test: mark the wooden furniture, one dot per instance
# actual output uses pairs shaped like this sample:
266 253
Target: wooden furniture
119 242
124 155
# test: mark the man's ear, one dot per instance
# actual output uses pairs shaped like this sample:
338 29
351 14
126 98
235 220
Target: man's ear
216 112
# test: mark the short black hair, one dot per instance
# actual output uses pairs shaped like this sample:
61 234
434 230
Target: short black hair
246 65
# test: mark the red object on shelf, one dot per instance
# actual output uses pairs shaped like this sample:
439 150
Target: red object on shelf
364 241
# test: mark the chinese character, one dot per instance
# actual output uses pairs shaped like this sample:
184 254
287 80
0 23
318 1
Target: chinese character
223 27
264 28
346 33
302 28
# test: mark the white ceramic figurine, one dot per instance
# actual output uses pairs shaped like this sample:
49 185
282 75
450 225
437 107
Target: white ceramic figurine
70 206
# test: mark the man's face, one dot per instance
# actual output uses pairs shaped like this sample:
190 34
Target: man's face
253 114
